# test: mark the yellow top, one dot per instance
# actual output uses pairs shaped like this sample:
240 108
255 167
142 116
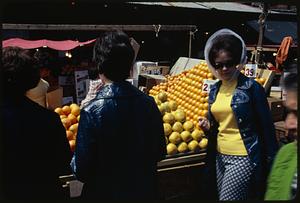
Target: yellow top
229 138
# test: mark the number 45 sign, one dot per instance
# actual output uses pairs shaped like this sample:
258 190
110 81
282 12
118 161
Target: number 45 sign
250 70
207 84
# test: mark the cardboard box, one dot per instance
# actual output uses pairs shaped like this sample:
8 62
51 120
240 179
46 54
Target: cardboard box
67 100
69 91
276 92
268 75
66 80
136 70
184 63
154 70
54 98
277 108
148 81
81 84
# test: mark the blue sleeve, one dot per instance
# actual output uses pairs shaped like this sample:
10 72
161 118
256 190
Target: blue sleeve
267 130
84 156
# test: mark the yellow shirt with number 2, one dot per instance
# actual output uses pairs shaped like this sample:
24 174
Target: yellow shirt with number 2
229 138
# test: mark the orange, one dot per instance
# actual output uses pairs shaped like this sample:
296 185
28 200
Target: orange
75 110
205 105
204 113
206 99
73 105
203 94
72 145
59 111
262 80
196 117
193 102
66 122
72 118
195 122
74 128
209 75
63 116
66 109
151 92
70 135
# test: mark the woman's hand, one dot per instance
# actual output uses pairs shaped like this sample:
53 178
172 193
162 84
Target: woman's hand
204 123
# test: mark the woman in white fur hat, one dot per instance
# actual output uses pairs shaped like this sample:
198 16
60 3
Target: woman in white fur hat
239 126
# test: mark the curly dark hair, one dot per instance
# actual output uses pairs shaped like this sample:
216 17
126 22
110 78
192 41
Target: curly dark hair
114 55
230 44
19 71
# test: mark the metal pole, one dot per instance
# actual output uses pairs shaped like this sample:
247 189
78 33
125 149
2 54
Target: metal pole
261 21
192 35
190 44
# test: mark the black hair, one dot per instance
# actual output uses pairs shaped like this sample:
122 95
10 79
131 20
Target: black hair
289 81
114 55
19 71
44 59
230 44
93 72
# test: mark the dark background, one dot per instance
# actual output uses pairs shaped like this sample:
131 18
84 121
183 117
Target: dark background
167 47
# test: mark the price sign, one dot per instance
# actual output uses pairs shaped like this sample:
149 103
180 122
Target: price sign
207 84
250 70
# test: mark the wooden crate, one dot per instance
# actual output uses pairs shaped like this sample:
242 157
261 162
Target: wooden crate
277 108
266 74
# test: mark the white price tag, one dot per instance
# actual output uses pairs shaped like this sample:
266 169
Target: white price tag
250 70
207 84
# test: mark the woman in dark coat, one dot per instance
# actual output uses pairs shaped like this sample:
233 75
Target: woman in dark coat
239 126
35 150
120 136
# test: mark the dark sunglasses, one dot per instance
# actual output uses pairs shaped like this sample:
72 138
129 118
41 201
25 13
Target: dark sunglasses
228 64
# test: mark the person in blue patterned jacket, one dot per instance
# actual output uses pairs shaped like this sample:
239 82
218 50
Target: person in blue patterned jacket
239 126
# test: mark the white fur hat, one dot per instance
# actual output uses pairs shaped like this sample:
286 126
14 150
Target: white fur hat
211 41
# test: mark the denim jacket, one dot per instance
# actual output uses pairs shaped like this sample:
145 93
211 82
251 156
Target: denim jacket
253 118
119 142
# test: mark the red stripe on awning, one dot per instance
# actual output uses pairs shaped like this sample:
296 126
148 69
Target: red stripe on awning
64 45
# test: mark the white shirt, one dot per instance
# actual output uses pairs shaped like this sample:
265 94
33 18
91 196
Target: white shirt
39 93
94 87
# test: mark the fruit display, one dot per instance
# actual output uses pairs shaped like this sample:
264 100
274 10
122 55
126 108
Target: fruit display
181 101
181 135
186 90
69 116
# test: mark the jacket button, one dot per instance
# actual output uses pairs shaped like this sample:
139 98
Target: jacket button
244 135
235 106
240 120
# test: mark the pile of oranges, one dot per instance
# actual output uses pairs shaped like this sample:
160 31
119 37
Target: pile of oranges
186 90
260 80
69 116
